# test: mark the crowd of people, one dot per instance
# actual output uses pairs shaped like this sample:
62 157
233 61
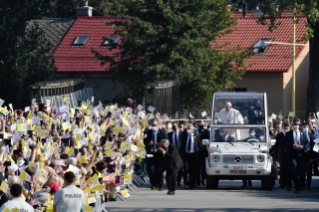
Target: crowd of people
295 150
53 158
65 159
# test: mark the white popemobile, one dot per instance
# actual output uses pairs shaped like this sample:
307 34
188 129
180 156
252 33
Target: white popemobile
239 140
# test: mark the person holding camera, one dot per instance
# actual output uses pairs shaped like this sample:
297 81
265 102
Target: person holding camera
173 163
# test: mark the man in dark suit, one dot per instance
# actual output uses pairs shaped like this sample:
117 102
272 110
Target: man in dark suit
278 151
203 154
154 136
310 156
296 147
190 147
173 163
176 138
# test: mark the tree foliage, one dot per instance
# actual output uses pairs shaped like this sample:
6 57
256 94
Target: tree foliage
24 54
163 39
66 8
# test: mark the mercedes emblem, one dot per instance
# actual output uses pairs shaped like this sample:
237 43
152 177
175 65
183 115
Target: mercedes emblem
237 159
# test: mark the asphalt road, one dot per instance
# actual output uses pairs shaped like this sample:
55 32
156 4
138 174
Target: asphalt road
229 197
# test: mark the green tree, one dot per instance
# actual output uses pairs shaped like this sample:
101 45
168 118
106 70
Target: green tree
66 8
309 8
162 39
24 52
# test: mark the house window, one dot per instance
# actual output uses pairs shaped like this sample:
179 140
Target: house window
261 47
111 40
80 40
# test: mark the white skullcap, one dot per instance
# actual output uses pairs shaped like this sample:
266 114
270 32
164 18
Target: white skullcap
229 104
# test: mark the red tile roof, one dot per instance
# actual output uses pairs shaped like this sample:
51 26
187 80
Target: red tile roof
240 14
70 58
278 58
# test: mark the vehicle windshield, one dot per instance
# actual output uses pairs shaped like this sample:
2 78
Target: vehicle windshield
231 135
239 108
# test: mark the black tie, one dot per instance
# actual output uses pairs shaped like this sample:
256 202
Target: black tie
189 143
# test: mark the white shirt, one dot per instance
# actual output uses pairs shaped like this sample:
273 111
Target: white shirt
231 117
175 134
155 141
190 138
295 136
19 203
69 199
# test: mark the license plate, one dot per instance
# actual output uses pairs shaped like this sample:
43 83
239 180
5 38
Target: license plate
237 167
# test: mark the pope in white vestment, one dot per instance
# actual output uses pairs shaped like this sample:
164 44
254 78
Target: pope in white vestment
229 115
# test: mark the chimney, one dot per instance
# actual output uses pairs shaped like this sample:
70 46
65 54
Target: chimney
258 12
244 10
85 10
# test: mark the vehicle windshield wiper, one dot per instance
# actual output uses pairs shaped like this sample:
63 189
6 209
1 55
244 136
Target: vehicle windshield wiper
247 141
224 141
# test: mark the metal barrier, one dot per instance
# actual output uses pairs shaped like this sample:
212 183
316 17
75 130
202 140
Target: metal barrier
84 94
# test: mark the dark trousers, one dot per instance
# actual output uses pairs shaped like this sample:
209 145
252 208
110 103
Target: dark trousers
179 176
201 168
150 168
190 168
159 177
309 162
283 171
297 170
171 179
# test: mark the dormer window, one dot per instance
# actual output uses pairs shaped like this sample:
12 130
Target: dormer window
111 40
80 40
261 47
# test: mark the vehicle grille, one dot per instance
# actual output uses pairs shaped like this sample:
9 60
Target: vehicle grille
245 159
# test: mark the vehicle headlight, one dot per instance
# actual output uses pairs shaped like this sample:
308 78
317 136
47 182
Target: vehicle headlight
260 158
215 158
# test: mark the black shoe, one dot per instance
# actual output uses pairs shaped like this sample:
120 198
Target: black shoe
250 184
296 192
282 186
152 187
160 189
186 187
244 186
171 193
191 188
288 189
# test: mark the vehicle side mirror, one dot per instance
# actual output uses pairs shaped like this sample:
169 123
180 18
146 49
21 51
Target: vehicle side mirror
205 142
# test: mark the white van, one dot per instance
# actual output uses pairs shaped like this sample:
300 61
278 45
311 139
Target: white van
239 140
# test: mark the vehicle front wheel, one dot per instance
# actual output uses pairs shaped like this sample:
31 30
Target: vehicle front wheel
211 182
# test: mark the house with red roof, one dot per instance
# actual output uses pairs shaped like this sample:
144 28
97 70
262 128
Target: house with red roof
271 64
270 70
74 59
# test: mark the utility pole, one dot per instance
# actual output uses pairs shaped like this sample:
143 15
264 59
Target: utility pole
293 59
